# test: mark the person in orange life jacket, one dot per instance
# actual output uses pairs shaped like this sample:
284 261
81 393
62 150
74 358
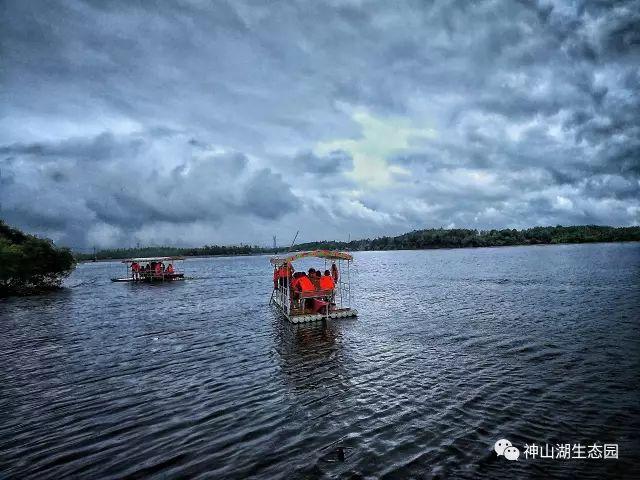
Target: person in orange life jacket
135 270
284 273
304 284
278 276
334 272
170 269
326 281
294 283
158 268
312 276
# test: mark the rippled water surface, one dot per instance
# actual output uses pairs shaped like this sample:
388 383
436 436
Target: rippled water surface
452 350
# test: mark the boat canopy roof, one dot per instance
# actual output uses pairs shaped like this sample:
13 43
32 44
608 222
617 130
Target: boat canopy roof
151 259
328 254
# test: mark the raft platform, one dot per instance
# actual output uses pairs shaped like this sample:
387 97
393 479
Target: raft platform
170 277
297 316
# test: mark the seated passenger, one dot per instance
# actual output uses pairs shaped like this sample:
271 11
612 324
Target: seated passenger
294 283
170 269
314 279
158 268
304 284
326 281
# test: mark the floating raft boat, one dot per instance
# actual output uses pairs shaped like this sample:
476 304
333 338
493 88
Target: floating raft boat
163 278
313 305
137 273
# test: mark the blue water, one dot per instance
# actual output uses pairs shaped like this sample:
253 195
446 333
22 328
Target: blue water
452 350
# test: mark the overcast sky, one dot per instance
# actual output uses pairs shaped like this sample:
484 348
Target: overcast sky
201 122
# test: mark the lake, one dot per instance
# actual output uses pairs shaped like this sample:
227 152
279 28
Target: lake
452 350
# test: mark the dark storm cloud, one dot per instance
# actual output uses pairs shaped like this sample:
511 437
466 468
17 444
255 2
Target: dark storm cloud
101 147
62 188
237 120
333 163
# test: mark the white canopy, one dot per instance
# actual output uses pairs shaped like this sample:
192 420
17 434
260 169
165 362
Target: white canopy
151 259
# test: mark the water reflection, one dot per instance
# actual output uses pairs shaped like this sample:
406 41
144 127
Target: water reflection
311 354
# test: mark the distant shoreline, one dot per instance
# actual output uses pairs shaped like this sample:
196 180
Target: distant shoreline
257 254
101 260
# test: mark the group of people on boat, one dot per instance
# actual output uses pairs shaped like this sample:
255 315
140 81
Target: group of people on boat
320 285
313 280
151 269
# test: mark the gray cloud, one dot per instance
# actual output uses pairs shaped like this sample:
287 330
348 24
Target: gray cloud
72 186
331 164
126 121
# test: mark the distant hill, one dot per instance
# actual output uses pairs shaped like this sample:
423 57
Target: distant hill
415 240
29 264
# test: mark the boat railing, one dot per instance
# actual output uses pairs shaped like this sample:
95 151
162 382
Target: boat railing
153 275
317 293
336 302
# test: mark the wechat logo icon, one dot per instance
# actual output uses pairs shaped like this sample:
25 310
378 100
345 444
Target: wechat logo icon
504 448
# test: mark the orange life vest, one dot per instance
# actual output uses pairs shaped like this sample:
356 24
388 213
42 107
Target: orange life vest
305 284
327 283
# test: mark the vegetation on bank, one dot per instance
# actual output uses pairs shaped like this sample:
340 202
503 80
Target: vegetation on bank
29 264
464 238
418 239
117 253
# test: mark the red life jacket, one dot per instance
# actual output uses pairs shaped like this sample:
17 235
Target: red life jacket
327 283
305 284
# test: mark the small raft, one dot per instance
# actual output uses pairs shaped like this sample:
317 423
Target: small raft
163 278
151 270
310 306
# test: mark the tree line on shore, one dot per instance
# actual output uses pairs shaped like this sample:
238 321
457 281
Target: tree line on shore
415 240
30 264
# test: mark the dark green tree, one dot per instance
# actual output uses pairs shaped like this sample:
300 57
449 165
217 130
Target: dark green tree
29 264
